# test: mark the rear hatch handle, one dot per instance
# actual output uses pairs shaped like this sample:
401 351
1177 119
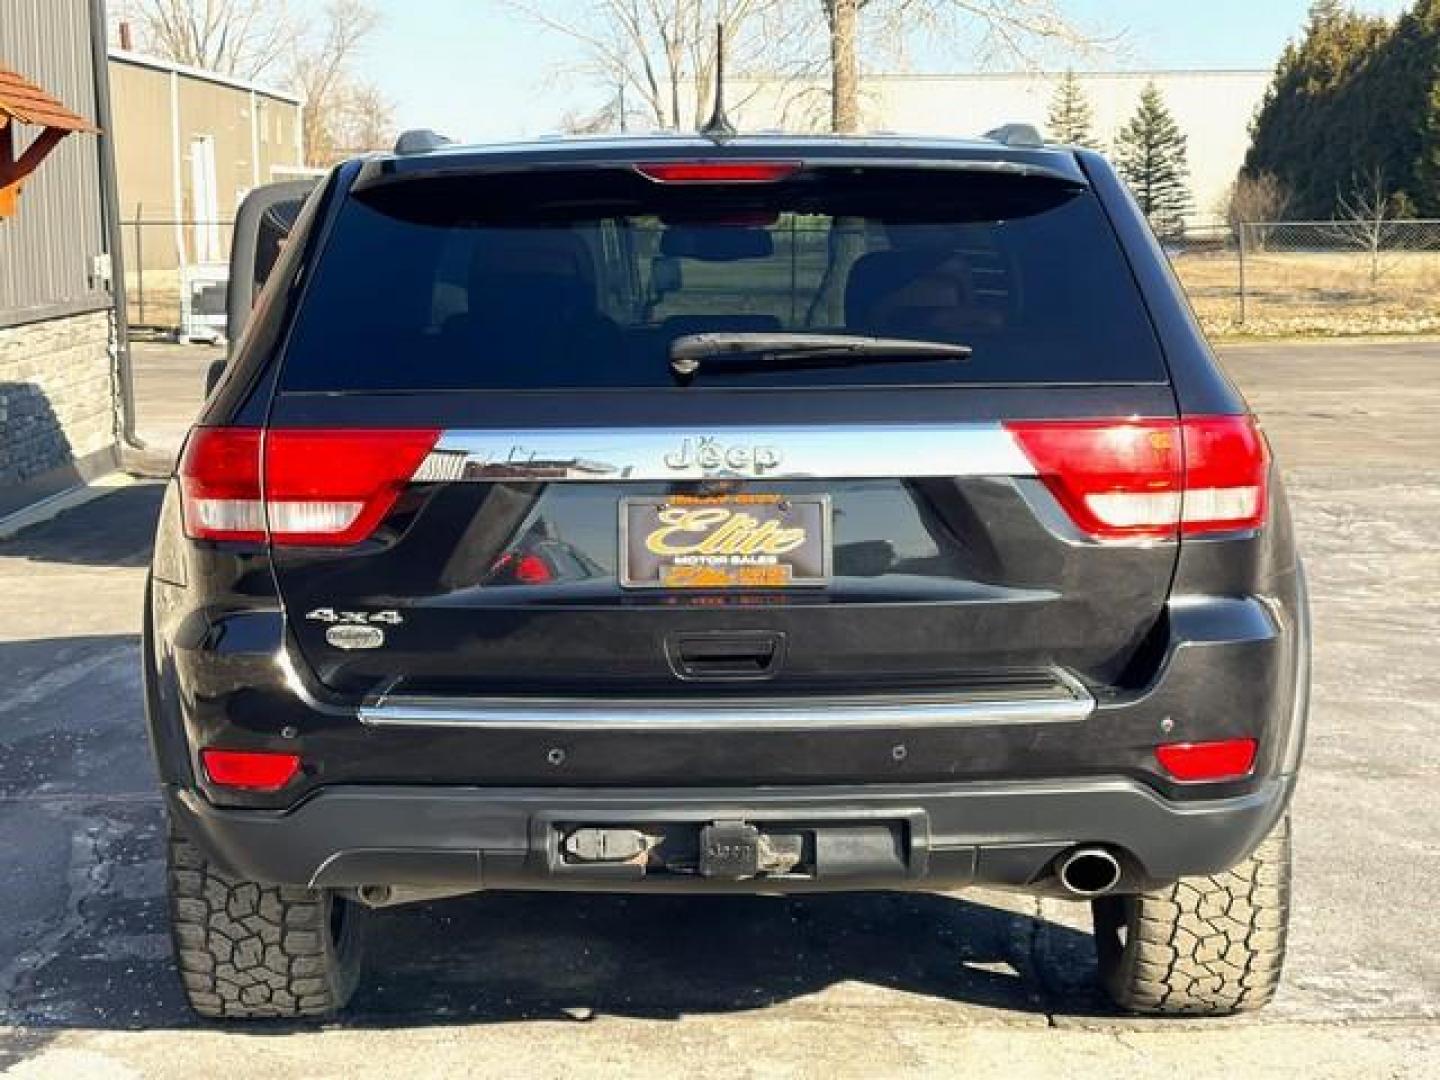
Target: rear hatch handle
736 655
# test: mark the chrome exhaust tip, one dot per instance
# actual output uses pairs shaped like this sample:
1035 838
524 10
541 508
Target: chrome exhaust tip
1089 872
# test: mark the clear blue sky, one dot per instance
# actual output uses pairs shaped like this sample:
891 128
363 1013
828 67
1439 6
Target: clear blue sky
474 70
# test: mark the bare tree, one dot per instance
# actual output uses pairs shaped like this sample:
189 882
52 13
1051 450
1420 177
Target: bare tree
1365 219
360 120
660 54
1013 30
321 69
242 38
842 18
597 122
1254 197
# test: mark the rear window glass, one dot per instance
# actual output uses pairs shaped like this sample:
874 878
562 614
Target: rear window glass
585 279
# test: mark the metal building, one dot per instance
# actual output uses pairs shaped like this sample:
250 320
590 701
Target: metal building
190 144
63 370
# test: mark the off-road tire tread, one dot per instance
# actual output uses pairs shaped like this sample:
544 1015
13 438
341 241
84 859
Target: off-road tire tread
1206 946
251 951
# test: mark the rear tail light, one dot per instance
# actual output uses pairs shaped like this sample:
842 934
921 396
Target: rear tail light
220 482
1114 478
1229 759
1139 479
250 770
1226 462
334 487
302 487
718 172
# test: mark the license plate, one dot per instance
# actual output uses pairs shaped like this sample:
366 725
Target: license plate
753 541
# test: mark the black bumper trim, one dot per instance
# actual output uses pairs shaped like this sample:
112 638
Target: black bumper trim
1001 834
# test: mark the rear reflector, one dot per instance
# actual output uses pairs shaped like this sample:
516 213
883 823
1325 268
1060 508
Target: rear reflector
302 487
718 172
250 770
1148 479
532 570
1230 759
513 569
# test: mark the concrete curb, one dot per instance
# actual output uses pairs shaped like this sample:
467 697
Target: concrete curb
1330 341
148 463
51 508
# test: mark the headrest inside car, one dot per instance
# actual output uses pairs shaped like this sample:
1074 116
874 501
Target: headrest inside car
717 243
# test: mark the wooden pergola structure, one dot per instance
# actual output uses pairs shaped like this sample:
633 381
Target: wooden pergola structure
22 102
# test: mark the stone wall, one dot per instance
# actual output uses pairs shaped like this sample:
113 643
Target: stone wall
58 414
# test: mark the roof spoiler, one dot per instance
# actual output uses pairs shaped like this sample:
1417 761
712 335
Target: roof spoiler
1017 136
420 141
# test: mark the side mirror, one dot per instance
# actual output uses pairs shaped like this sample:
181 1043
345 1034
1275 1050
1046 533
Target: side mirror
214 372
262 226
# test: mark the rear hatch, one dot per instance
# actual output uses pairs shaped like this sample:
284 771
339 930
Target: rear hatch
726 429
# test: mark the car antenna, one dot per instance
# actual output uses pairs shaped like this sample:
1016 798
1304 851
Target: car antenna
718 128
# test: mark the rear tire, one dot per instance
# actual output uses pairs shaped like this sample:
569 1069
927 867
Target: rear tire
248 951
1205 946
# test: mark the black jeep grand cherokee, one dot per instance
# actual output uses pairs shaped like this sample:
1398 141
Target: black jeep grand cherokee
774 515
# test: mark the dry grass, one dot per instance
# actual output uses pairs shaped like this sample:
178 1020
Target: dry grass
1301 293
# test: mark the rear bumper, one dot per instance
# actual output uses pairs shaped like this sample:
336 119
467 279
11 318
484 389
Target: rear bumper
944 836
1230 669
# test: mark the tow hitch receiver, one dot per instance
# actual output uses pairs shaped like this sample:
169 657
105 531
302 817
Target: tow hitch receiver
729 849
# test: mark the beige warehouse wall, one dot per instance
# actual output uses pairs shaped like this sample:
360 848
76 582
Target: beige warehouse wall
279 136
159 115
222 113
144 144
140 103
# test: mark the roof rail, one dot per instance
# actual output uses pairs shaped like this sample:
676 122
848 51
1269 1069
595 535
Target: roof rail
420 141
1017 136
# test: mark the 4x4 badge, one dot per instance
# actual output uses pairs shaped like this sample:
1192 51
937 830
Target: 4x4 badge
709 454
389 617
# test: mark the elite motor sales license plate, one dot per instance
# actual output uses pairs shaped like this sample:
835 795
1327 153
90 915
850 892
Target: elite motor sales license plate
742 541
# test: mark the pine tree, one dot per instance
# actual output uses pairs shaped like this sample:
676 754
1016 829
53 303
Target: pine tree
1427 178
1151 154
1330 112
1070 114
1356 95
1412 99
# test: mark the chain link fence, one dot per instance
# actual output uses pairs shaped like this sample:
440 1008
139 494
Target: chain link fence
175 276
1263 278
1313 277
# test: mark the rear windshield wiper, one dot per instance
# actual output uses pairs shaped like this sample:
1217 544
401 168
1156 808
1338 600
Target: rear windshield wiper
737 353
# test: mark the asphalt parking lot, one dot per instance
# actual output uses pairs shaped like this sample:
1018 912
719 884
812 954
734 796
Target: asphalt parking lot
873 984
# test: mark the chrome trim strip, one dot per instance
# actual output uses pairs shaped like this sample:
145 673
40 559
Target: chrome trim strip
833 452
1070 705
